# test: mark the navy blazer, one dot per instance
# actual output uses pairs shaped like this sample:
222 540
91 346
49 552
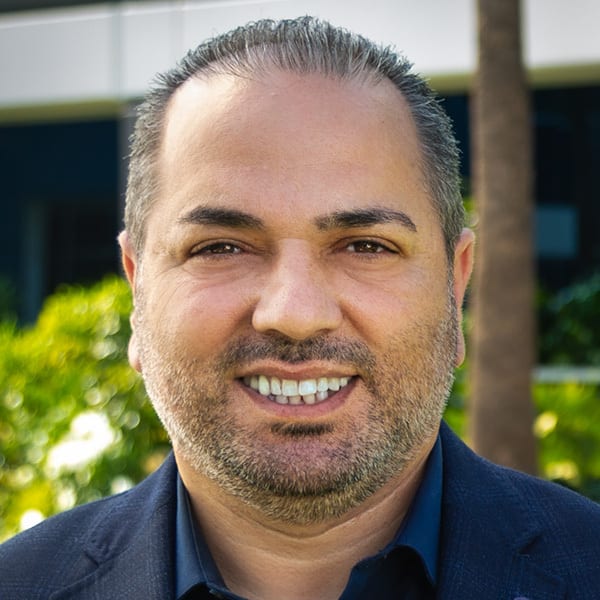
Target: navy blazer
504 536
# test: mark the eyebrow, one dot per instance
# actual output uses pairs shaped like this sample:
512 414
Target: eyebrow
223 217
364 217
237 219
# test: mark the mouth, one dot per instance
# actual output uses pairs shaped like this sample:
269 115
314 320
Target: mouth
296 391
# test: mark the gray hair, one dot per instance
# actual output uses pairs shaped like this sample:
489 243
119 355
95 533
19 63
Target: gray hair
303 45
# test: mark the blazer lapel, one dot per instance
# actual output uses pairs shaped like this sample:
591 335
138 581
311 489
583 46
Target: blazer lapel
487 531
132 547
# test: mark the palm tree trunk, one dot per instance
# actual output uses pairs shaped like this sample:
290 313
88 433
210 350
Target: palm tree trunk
503 337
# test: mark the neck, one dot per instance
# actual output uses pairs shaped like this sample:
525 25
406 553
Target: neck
262 558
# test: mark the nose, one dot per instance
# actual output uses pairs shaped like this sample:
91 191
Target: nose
298 300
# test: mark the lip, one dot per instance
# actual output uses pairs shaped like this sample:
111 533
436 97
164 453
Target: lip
296 411
304 370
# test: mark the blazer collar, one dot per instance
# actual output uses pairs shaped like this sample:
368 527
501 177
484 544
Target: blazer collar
487 528
132 545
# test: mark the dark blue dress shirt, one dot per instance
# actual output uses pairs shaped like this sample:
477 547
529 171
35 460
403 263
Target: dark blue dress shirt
406 568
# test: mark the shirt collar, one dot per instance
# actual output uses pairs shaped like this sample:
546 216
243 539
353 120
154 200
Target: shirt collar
420 531
421 527
193 561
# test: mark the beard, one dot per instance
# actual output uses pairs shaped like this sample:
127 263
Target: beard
292 471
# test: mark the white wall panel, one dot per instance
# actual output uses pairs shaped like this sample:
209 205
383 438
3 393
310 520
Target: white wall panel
111 51
558 32
436 35
151 42
58 55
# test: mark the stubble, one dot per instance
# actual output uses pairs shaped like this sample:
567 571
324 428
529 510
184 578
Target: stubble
313 472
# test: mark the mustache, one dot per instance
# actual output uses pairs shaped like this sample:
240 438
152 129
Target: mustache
280 348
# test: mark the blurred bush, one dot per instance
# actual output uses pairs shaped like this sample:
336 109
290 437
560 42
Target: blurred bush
568 432
570 324
75 424
568 423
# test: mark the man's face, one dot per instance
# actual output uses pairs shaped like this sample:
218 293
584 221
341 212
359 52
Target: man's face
295 321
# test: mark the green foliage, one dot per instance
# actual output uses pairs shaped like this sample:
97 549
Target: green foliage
569 435
570 324
75 423
568 423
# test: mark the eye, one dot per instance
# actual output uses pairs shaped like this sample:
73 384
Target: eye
216 249
367 247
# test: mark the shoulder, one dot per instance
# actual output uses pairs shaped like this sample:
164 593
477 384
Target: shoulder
493 485
71 544
32 564
499 511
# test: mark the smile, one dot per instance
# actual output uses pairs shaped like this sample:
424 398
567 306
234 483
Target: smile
291 391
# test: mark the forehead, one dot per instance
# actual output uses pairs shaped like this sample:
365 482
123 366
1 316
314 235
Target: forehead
222 106
295 139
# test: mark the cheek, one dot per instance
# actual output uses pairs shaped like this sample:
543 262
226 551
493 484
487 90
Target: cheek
382 310
193 314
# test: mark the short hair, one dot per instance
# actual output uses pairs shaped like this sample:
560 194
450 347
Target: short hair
303 45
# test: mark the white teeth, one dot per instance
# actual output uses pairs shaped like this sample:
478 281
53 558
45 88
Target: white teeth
334 384
263 386
275 386
291 391
307 386
289 387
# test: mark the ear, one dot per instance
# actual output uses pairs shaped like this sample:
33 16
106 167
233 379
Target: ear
462 269
130 265
128 258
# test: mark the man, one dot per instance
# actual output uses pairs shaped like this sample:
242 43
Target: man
295 244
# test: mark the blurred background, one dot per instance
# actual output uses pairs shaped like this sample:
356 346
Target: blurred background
74 422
